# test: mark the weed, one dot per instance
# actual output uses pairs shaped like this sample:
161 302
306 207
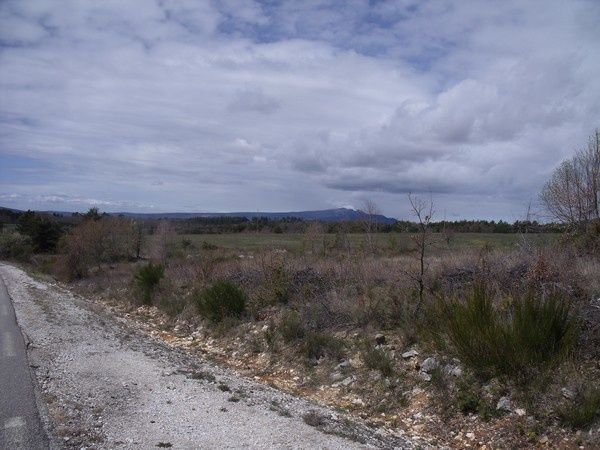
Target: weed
584 411
291 327
379 359
314 419
147 279
318 345
203 375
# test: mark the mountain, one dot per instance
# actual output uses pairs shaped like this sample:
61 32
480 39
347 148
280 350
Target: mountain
325 215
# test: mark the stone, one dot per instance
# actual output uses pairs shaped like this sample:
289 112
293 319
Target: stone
424 376
454 370
470 436
429 365
410 354
345 382
504 404
520 412
380 339
348 381
568 393
544 440
337 376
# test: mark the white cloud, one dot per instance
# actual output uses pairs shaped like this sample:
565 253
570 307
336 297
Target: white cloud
293 105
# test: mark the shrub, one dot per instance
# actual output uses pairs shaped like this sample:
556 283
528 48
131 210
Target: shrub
15 246
93 242
379 359
147 279
318 345
291 327
528 338
223 299
43 231
585 410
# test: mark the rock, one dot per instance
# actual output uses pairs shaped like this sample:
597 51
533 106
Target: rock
348 381
343 364
337 376
470 436
410 354
568 393
380 339
429 365
424 376
345 382
454 370
520 412
544 440
504 404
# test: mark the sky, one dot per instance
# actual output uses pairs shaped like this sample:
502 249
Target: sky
243 105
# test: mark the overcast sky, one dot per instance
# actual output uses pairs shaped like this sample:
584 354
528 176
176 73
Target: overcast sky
181 105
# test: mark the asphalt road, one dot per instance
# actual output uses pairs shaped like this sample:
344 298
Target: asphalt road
20 425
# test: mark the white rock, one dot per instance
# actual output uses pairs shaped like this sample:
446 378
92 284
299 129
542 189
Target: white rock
429 365
410 354
520 412
568 393
424 376
504 404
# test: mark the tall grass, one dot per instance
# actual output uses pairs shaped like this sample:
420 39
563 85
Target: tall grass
528 337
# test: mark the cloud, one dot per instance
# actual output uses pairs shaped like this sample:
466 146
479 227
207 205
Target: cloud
288 105
253 101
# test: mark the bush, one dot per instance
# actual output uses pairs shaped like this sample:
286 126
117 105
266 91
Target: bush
147 279
15 246
291 327
319 345
530 337
93 242
584 412
378 359
43 231
223 299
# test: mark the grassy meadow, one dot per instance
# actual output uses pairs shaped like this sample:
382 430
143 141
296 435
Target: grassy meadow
388 242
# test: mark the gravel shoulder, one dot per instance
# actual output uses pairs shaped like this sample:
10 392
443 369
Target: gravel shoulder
106 386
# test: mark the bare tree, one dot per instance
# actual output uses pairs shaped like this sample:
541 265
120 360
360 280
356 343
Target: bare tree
572 195
370 212
423 210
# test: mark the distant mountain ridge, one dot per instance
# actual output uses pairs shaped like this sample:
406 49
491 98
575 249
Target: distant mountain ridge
324 215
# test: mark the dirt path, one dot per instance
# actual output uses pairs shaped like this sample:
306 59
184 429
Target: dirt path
108 387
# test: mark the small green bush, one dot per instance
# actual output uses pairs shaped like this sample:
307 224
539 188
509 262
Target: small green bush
528 338
318 345
378 359
585 410
222 300
291 327
468 400
147 279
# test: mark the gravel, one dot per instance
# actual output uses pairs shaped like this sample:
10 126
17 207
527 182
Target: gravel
107 386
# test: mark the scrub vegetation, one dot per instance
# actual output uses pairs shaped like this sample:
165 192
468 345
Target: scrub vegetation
500 330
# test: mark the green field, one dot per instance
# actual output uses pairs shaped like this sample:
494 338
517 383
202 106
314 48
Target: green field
387 241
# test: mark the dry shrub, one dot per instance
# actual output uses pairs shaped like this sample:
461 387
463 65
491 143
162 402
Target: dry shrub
94 242
163 242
